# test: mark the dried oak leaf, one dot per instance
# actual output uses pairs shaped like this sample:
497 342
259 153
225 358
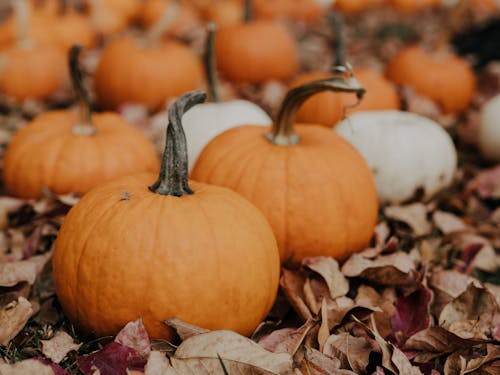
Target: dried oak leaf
27 270
183 329
201 354
414 215
474 314
413 312
135 336
113 359
394 269
353 352
448 223
328 269
27 367
13 317
58 346
316 363
292 284
458 365
158 364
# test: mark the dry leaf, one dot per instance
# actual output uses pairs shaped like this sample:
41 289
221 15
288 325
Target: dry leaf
135 336
28 367
414 215
385 301
200 355
448 223
158 364
13 317
287 340
183 329
12 273
58 346
353 352
316 363
486 184
292 285
329 270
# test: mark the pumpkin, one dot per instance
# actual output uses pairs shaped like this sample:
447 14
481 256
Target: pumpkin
73 28
69 152
314 188
489 129
410 156
302 10
443 76
356 6
30 69
224 12
112 16
256 51
180 249
410 6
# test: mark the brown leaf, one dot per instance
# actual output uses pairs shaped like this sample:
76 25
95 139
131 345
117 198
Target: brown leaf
353 352
287 340
414 215
200 355
392 269
448 223
183 329
158 364
13 317
12 273
27 367
292 284
58 346
135 336
385 301
316 363
471 315
328 269
486 184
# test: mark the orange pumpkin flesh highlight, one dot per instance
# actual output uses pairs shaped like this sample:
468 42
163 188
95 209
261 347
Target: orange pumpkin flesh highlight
318 194
152 11
443 77
208 258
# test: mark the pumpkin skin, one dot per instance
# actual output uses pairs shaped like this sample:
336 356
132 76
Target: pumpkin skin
443 77
256 51
191 250
47 152
290 178
121 75
406 152
489 130
302 10
73 28
152 11
356 6
410 6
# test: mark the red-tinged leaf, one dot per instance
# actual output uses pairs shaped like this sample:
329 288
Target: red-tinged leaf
58 370
135 336
113 359
413 312
486 184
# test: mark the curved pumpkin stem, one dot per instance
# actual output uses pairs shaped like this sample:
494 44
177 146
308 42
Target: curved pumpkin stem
173 179
22 11
210 63
85 126
337 24
282 132
248 11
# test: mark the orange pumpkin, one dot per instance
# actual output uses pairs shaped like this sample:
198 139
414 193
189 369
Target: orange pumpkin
134 70
112 16
67 152
314 188
356 6
224 12
206 255
303 10
73 28
443 77
409 6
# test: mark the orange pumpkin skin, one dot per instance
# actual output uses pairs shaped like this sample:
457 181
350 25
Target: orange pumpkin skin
356 6
319 195
445 78
224 12
47 153
256 52
40 31
409 6
34 72
193 251
303 10
128 72
73 28
152 11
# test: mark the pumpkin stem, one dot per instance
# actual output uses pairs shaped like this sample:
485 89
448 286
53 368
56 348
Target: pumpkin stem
337 25
282 132
22 13
84 127
165 21
248 11
210 63
173 179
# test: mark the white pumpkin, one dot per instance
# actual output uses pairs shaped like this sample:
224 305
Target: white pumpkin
407 153
489 130
206 121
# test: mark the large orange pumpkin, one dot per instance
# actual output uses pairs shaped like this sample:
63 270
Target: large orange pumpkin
69 152
193 251
314 188
410 6
355 6
443 76
303 10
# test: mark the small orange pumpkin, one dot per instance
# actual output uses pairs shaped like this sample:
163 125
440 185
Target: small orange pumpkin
66 152
176 249
112 16
224 12
410 6
356 6
302 10
314 188
443 76
71 28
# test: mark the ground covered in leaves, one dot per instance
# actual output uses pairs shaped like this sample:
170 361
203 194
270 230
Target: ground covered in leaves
422 299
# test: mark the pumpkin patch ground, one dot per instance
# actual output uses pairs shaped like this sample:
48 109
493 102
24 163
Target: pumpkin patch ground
358 233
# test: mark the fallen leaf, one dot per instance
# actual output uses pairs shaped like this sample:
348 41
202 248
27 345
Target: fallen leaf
113 359
448 223
135 336
328 269
58 346
385 301
13 318
486 184
287 340
317 363
353 352
414 215
292 284
158 364
200 355
183 329
12 273
58 370
392 269
27 367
